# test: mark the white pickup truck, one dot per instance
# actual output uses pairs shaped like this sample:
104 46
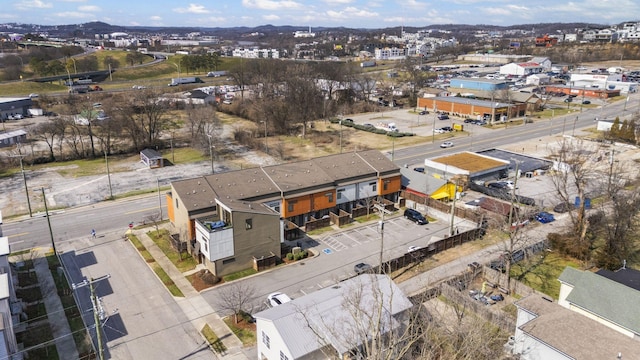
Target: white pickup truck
387 126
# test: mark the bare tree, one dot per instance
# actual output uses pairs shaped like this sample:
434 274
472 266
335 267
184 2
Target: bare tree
572 174
237 298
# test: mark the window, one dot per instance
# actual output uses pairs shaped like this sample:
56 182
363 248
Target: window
374 186
290 207
248 224
385 185
329 197
177 204
283 356
228 261
205 244
265 340
339 196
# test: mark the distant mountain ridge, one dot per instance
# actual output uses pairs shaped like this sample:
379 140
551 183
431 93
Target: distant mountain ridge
98 27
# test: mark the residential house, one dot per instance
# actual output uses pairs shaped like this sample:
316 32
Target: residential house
338 321
548 331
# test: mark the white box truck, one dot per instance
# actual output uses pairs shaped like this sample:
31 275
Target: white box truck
185 80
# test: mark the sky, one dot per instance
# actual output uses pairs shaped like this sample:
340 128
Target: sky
372 14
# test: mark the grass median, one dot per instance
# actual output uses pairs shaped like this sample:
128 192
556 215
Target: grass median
162 275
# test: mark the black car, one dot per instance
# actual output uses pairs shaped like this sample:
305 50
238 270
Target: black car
447 128
469 121
563 207
415 216
419 169
443 117
497 185
586 102
424 112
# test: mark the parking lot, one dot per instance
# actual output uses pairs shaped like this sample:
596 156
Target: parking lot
409 121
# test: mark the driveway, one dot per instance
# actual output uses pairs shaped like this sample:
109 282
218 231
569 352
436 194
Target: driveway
141 319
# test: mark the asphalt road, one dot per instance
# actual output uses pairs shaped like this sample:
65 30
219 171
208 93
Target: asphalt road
76 223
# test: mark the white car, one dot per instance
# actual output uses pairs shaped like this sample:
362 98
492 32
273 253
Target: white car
446 144
413 248
508 183
278 298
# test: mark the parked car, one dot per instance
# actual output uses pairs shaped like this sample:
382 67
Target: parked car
278 298
362 268
563 207
415 216
507 183
497 297
586 102
413 248
446 144
545 217
419 169
568 100
424 112
469 121
447 128
34 96
347 120
443 117
497 185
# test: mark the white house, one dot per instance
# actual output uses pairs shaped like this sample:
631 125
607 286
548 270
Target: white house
322 324
537 79
548 331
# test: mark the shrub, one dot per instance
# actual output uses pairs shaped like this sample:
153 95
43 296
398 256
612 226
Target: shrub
289 256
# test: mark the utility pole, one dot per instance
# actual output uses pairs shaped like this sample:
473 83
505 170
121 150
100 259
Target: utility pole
211 154
98 310
382 211
159 197
106 159
46 211
453 207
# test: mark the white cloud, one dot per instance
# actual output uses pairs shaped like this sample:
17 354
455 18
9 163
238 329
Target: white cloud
72 15
155 18
350 13
271 5
272 17
37 4
192 9
336 2
89 8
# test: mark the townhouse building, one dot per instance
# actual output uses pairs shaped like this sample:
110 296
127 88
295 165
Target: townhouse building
232 220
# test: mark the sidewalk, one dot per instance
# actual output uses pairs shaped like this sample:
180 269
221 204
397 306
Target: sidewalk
65 345
194 306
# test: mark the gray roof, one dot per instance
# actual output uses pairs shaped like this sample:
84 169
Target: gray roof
603 297
12 134
295 178
420 182
574 334
307 323
195 194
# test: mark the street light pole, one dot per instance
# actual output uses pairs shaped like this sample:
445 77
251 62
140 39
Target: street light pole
159 197
573 132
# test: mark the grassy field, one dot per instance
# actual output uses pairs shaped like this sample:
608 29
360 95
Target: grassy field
542 274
